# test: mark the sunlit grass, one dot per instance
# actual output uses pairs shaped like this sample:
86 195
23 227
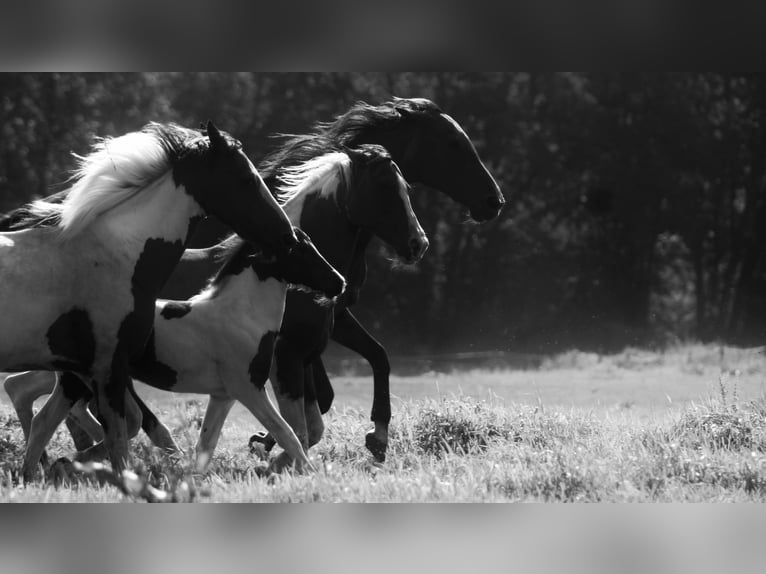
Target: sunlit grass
455 447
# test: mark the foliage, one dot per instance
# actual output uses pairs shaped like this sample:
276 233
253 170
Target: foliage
636 201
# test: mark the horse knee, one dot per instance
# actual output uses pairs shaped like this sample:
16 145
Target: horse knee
18 387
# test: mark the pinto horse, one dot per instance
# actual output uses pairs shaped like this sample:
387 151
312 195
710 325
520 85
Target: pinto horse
94 263
360 193
219 343
433 151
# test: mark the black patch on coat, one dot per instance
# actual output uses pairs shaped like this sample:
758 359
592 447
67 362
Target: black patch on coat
193 226
149 421
152 270
176 309
73 388
72 341
236 260
240 255
260 366
149 370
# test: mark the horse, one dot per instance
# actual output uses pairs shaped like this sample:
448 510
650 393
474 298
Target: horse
219 343
79 283
360 192
432 151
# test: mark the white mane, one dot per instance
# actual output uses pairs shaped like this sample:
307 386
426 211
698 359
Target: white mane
317 173
116 170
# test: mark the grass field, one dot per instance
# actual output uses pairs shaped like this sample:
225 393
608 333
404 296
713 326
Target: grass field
685 425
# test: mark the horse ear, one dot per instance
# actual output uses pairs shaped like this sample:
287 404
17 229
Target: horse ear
217 141
353 153
401 107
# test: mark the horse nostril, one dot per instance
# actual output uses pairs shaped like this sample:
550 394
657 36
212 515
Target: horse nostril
495 202
418 246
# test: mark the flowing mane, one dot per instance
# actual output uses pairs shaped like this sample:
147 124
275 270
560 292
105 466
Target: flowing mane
114 171
346 130
320 172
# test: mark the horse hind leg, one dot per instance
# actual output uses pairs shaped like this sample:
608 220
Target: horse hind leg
23 389
81 437
218 409
311 408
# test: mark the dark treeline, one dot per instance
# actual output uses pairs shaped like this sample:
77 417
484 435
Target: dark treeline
636 204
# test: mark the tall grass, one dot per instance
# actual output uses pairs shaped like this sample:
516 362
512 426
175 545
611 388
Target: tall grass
457 448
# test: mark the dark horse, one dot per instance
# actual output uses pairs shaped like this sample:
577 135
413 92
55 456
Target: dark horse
432 151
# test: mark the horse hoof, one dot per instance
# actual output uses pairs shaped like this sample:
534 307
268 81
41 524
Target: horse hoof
280 463
264 439
28 476
258 450
263 470
61 470
376 446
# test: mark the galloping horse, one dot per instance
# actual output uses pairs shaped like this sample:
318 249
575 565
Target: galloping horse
219 343
360 193
431 150
94 263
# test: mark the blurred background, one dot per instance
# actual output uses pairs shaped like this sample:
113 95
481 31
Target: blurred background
636 211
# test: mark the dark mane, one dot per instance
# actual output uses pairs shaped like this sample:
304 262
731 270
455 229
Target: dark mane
178 141
347 130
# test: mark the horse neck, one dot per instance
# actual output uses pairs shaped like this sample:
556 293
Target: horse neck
161 211
323 218
399 145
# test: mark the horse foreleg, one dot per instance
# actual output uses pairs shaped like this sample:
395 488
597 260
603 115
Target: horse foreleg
287 380
68 390
133 423
322 385
311 407
350 333
253 395
110 394
217 410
